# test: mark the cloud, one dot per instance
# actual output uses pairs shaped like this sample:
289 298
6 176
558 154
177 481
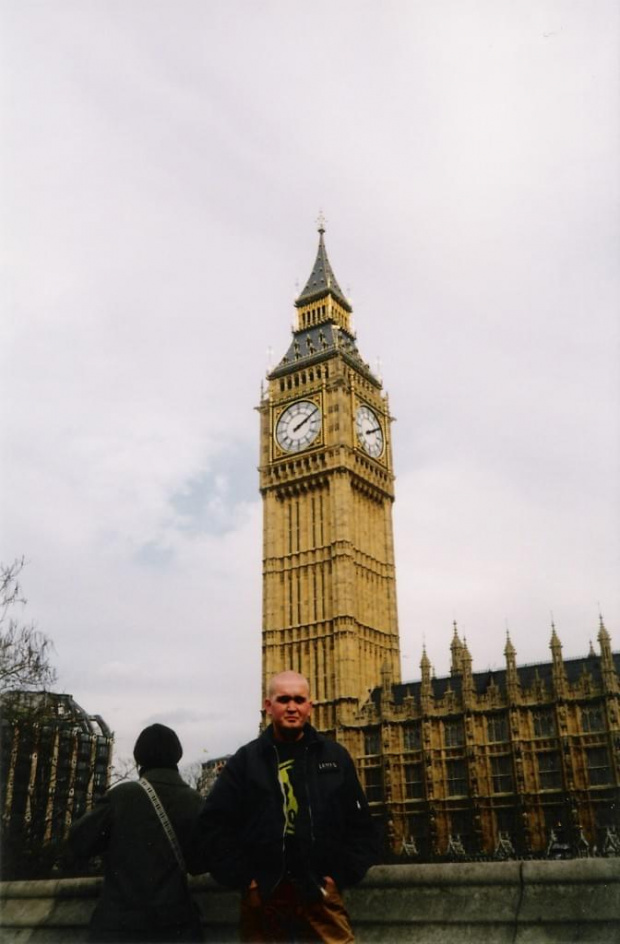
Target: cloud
162 204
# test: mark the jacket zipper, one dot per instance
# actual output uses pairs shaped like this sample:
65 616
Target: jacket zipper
307 779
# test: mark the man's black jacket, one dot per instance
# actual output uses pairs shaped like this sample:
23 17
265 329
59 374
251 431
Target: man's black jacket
242 824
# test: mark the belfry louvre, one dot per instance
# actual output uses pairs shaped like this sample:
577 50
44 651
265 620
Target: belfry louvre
522 761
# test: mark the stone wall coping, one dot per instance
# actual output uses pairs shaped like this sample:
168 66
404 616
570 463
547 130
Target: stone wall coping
82 887
528 872
515 902
496 873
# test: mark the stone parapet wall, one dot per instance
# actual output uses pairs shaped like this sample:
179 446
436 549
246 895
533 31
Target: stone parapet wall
528 902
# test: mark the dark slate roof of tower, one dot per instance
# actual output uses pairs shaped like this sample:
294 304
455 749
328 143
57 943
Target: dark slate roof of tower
322 279
313 345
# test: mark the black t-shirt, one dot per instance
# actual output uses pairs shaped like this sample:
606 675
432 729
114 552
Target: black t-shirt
291 764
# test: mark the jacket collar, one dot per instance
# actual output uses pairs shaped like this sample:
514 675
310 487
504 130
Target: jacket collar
163 775
312 737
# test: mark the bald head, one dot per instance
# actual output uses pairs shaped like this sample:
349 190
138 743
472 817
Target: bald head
287 677
288 705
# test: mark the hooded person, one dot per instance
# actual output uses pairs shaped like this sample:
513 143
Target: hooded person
157 747
145 895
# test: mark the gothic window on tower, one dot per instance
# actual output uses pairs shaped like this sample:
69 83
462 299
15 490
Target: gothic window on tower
414 781
456 778
453 734
592 719
497 728
549 770
501 773
290 598
544 723
599 771
314 596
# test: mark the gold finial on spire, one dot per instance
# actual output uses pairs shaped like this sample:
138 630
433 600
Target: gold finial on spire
321 221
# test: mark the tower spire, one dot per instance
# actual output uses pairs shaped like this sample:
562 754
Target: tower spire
322 281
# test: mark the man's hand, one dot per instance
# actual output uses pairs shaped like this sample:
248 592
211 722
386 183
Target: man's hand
253 896
328 886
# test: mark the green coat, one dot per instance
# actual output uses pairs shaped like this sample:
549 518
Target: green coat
145 895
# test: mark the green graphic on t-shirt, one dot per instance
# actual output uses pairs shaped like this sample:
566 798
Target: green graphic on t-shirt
291 806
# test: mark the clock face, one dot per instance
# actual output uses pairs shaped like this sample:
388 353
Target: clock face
369 431
298 426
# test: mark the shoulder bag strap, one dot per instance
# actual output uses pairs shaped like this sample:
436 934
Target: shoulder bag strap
165 822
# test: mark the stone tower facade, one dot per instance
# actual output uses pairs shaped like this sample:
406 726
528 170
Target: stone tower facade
326 478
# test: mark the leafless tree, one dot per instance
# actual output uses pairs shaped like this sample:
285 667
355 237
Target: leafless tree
123 768
192 774
24 651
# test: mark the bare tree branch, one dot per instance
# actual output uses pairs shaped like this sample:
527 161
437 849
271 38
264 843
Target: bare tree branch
123 768
25 652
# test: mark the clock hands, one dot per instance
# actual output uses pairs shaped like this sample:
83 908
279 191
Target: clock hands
305 419
377 429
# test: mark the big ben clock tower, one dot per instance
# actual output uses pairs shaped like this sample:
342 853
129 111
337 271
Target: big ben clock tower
329 585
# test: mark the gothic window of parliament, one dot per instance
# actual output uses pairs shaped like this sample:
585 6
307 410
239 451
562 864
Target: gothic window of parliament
501 773
413 737
373 784
454 735
549 770
592 719
599 771
456 778
414 781
372 742
497 728
460 823
544 723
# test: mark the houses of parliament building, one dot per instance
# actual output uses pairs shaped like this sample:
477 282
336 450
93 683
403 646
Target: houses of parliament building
477 763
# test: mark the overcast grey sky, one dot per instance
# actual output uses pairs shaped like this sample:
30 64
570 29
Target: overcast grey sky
163 165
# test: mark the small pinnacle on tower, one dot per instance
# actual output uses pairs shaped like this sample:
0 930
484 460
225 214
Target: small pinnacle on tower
509 649
602 631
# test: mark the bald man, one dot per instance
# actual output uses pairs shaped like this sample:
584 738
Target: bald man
288 824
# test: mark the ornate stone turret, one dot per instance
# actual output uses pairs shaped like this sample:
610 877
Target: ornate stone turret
557 669
468 679
426 690
610 679
387 684
456 648
512 678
